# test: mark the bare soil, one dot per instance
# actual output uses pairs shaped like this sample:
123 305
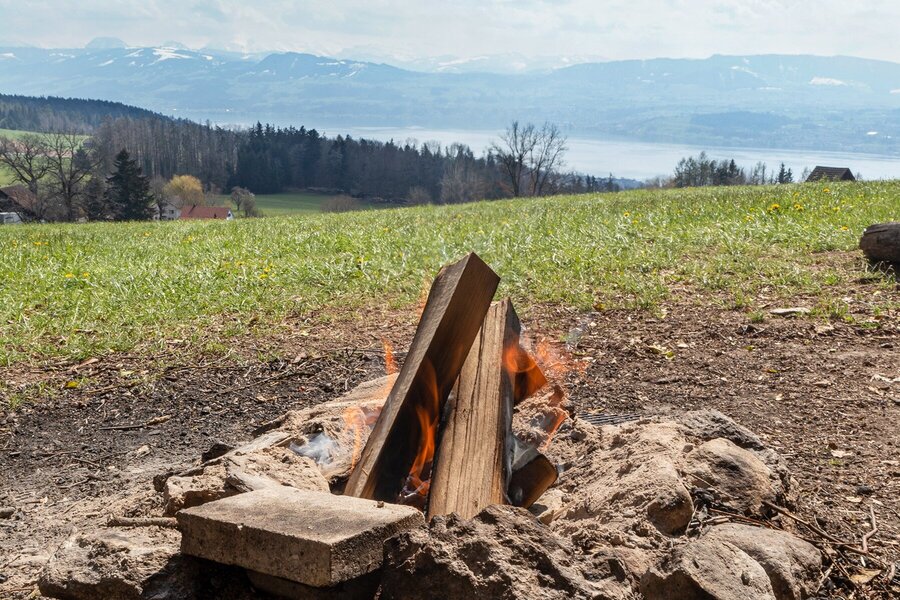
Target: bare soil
826 396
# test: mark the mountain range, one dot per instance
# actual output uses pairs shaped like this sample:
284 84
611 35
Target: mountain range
778 101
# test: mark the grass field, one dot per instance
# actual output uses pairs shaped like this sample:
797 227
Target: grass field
78 290
278 205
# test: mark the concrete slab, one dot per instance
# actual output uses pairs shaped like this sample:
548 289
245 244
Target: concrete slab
314 538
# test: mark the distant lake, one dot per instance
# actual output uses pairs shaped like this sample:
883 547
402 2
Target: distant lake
641 160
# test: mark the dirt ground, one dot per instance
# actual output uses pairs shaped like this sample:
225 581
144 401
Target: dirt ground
826 395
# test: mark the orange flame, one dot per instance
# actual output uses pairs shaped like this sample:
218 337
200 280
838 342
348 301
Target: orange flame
355 420
390 363
554 416
418 482
359 420
526 376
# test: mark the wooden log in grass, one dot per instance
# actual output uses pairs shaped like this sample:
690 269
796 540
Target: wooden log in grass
881 242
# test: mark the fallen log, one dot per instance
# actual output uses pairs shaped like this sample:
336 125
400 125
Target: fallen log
457 303
881 242
470 469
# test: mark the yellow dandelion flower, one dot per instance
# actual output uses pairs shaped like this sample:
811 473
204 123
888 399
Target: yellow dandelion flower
827 191
774 207
85 274
844 228
798 206
627 214
263 275
69 275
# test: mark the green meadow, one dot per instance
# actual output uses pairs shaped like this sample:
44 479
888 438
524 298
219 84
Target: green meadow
74 291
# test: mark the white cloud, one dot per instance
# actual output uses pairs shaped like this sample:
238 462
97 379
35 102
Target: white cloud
471 28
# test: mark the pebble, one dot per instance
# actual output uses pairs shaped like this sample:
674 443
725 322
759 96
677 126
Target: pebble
864 490
6 512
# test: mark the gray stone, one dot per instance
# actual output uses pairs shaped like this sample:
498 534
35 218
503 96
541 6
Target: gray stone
707 569
711 424
309 537
739 477
793 565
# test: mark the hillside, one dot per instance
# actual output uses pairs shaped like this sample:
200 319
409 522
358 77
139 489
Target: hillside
30 113
821 103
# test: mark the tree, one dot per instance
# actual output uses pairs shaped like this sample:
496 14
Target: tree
249 206
26 159
241 196
784 175
185 190
70 164
418 195
516 144
96 207
545 156
128 191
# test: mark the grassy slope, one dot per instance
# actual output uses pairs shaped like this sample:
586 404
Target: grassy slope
75 290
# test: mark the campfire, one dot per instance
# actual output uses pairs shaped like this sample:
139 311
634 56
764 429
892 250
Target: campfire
413 486
443 440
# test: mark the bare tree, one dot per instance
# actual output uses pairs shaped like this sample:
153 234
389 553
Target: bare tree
461 183
545 156
70 165
515 147
26 158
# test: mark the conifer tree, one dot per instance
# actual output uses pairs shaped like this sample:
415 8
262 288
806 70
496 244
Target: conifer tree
128 191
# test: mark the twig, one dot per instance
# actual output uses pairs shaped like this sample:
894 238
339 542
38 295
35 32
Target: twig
865 537
281 375
149 423
808 525
169 522
824 578
10 561
110 388
85 461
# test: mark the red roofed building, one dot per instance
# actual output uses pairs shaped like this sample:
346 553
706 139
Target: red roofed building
192 211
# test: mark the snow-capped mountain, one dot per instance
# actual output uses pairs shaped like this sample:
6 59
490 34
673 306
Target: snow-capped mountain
786 101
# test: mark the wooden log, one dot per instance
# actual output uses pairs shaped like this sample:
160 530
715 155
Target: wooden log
457 303
470 469
881 242
532 475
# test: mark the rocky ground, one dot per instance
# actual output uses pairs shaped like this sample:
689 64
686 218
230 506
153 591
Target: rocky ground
824 396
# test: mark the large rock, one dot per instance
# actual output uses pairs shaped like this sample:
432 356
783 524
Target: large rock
240 472
739 478
501 553
707 569
793 565
108 564
314 538
135 564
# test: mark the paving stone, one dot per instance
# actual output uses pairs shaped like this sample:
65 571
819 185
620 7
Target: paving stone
314 538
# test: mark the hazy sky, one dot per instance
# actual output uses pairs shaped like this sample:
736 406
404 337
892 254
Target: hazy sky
612 29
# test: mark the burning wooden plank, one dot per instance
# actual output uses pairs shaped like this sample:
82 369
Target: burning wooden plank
400 448
532 474
470 470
